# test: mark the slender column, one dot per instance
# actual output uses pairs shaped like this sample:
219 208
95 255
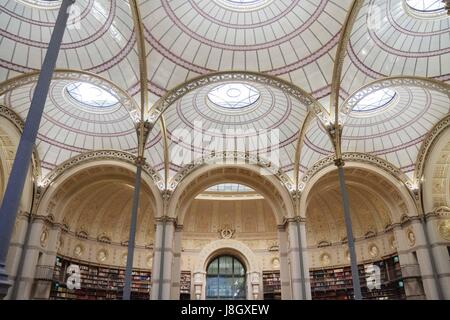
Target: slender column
302 263
438 247
297 261
286 290
132 237
161 265
434 270
22 259
21 164
350 238
176 265
163 258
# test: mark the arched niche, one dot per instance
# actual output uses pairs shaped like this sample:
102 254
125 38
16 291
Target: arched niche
92 203
206 176
9 140
436 175
404 197
235 249
191 206
378 202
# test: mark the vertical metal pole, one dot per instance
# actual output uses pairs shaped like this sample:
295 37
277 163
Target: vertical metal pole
351 241
302 263
132 238
161 264
16 182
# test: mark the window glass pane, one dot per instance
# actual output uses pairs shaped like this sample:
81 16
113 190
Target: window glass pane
226 265
238 268
239 288
212 287
214 267
225 287
226 279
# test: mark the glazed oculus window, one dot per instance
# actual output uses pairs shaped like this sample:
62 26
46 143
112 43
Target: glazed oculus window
229 187
91 95
430 6
375 101
234 95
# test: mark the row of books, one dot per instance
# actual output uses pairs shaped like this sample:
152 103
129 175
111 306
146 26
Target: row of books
337 283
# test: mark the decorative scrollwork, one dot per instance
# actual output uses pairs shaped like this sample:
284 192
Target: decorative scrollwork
437 130
101 155
393 82
171 97
17 121
74 75
357 157
227 157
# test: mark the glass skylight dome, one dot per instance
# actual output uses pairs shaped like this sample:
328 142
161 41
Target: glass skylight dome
426 5
91 95
244 2
234 95
229 187
375 101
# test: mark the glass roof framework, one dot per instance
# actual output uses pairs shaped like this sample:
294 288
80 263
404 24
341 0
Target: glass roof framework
91 95
234 95
431 6
292 40
230 187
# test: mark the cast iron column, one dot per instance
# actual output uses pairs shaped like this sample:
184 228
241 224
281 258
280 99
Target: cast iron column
16 182
348 223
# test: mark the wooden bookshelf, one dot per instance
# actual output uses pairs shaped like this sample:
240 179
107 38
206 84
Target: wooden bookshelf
272 285
337 284
98 282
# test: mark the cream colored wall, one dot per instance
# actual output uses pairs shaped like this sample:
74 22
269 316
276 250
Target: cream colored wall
252 221
436 180
338 253
115 253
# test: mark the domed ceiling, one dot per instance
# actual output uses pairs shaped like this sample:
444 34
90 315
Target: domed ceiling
389 39
294 40
185 40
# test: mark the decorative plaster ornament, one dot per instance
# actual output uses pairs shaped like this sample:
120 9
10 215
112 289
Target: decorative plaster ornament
102 255
227 233
78 251
444 229
374 251
411 237
325 259
44 238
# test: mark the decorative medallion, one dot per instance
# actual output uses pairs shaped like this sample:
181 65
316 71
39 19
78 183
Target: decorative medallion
78 251
444 229
102 255
124 259
227 233
411 237
325 259
44 238
374 251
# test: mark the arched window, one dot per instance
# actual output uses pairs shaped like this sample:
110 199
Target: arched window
225 279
